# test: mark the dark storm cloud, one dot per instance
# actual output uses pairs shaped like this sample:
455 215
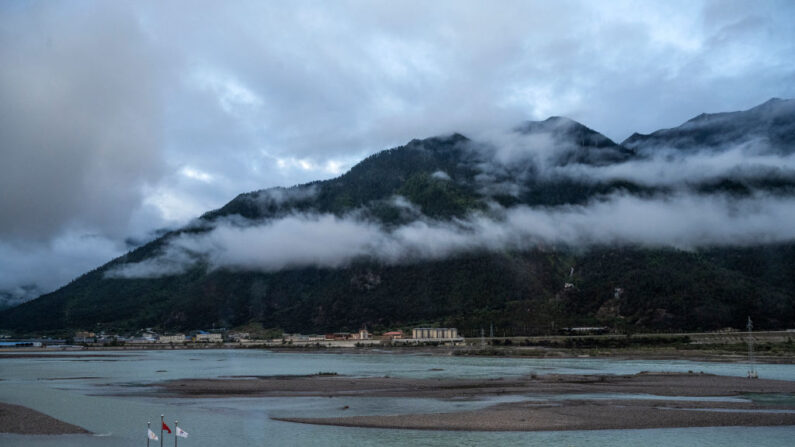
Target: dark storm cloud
81 112
120 118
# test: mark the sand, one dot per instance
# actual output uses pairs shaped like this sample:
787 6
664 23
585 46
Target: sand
530 415
22 420
661 384
572 415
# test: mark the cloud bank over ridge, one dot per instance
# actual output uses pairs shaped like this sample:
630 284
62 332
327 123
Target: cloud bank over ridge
327 241
679 207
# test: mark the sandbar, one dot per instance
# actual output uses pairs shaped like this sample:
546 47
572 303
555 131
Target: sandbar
25 421
573 415
661 384
546 407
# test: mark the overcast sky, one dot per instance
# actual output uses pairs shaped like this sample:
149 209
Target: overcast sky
119 118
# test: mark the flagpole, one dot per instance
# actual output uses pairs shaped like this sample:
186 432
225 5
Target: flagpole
148 427
176 424
161 430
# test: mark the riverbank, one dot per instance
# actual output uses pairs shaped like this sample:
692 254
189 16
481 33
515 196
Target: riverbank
711 353
25 421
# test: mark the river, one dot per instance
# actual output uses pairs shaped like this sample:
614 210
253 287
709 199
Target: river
105 393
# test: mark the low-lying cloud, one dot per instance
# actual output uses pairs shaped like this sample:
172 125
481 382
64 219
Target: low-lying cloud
327 241
29 269
507 162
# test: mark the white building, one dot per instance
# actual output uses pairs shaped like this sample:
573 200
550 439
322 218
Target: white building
434 333
239 336
361 335
204 337
179 338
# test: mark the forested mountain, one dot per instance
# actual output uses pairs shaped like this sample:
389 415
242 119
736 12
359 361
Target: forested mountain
548 225
770 123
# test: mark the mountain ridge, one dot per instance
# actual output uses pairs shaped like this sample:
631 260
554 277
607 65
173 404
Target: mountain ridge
446 182
709 130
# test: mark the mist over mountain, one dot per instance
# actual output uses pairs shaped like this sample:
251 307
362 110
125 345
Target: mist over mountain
693 224
767 128
19 295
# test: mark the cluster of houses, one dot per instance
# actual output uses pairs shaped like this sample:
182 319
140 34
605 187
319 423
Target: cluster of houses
30 342
363 334
150 336
221 335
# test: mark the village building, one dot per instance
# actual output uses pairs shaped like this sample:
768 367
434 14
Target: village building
84 337
339 336
21 344
434 333
238 336
393 335
178 338
586 330
304 338
146 336
363 334
206 337
111 338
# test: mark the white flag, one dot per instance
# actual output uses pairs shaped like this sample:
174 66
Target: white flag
151 435
181 433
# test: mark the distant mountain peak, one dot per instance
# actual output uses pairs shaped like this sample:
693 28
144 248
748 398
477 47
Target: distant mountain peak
566 127
561 119
773 100
700 116
551 123
446 140
777 105
577 143
772 122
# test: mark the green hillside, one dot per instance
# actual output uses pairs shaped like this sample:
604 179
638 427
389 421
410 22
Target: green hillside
520 291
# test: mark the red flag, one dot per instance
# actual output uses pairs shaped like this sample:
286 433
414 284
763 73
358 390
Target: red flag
165 427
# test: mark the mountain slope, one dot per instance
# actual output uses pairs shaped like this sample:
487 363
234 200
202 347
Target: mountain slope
771 122
454 192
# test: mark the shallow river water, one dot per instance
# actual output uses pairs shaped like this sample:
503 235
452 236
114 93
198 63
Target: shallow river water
105 395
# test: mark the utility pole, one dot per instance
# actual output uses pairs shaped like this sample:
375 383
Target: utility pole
752 374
